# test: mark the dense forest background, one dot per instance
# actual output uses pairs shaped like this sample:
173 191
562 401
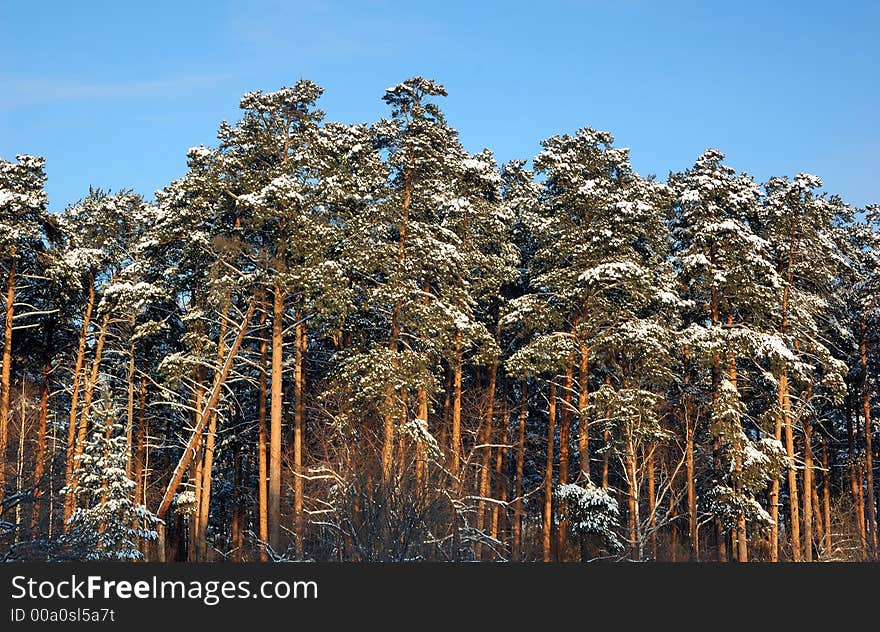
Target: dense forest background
362 342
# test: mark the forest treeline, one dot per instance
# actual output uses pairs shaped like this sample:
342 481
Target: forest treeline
362 342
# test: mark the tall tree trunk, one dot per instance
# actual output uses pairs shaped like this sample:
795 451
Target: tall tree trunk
389 416
129 418
236 528
74 395
277 402
583 403
632 497
41 444
456 413
855 483
83 422
689 423
860 504
826 496
6 371
564 431
500 454
199 427
793 503
298 423
740 540
869 431
652 504
548 474
486 456
673 521
262 466
606 438
808 488
774 490
520 462
207 469
140 458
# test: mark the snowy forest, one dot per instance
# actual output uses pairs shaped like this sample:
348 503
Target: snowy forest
339 342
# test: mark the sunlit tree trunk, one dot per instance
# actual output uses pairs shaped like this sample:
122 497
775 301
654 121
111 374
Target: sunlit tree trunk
564 431
275 420
6 371
456 411
262 466
826 495
389 416
869 431
689 423
486 456
88 393
500 455
298 423
518 479
39 466
548 474
652 504
808 489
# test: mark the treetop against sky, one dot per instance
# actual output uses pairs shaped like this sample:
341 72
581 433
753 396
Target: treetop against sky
114 93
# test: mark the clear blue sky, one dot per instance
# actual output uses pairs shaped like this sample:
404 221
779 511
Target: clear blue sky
113 93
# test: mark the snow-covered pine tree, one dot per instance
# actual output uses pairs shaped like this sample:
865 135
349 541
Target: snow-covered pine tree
729 286
108 521
799 225
600 289
23 220
269 163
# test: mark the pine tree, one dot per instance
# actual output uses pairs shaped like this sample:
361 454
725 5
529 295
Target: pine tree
108 521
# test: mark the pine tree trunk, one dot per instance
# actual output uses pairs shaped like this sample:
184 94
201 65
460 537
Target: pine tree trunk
793 503
632 498
818 519
826 495
693 525
277 397
389 430
808 488
262 469
236 537
860 504
564 431
456 413
83 422
869 456
140 459
673 522
199 427
774 492
652 504
39 466
74 395
486 456
6 371
298 423
129 418
740 539
207 472
518 480
855 484
583 403
500 454
548 474
606 438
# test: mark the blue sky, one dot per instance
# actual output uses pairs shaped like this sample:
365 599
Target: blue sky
113 93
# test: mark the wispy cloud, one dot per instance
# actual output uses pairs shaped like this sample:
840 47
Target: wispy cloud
329 29
19 92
